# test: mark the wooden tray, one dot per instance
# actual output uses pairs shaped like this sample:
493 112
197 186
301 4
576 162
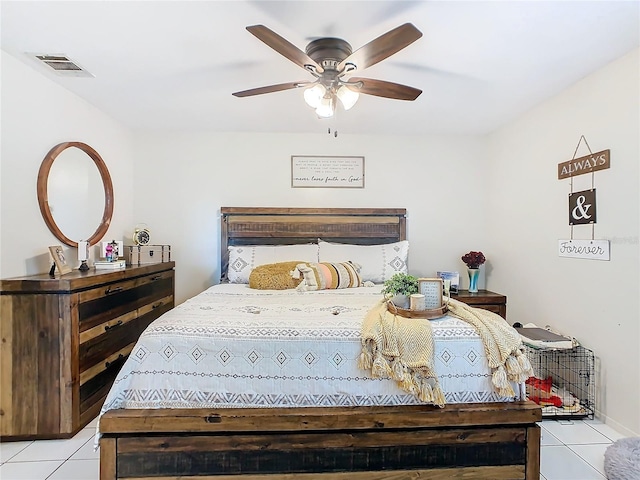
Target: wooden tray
428 314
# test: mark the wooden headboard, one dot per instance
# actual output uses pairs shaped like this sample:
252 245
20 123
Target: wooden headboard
285 226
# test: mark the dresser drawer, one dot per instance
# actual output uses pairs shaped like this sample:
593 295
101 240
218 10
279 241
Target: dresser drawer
94 390
103 341
116 300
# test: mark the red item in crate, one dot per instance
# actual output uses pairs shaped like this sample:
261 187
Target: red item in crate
539 391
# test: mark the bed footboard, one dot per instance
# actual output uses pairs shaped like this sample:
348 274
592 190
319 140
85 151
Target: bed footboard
494 440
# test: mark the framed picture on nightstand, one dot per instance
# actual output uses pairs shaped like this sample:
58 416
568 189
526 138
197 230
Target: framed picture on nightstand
453 278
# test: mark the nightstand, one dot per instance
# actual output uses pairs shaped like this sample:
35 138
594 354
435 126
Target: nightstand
486 299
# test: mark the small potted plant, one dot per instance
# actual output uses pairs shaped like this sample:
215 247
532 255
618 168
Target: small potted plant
399 287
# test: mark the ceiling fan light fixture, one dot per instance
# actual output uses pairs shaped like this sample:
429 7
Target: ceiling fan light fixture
327 107
313 96
347 97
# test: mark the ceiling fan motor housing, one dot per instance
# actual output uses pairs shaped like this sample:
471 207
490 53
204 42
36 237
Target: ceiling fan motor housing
328 52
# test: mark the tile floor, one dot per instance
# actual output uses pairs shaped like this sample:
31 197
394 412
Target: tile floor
571 450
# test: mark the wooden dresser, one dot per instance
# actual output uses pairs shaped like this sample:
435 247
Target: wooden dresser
64 340
494 302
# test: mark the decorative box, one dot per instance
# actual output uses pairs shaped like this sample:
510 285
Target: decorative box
141 254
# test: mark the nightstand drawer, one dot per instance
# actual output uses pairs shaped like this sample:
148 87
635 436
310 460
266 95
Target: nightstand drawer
485 299
492 308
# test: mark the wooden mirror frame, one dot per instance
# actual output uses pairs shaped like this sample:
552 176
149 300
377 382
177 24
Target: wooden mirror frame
43 194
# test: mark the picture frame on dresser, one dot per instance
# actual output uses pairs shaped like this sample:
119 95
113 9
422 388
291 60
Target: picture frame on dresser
60 261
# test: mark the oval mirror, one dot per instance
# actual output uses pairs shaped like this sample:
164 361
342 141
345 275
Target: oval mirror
75 193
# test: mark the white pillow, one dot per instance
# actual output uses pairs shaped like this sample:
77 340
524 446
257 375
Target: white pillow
378 262
243 259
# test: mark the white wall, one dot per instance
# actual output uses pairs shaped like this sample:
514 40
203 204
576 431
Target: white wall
595 301
36 115
499 195
182 180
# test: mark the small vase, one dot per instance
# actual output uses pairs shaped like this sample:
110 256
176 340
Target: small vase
473 279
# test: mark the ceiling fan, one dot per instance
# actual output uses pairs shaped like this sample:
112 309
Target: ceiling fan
330 60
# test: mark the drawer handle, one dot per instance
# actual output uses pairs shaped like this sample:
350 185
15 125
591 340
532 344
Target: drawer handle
159 304
113 290
157 277
108 364
109 327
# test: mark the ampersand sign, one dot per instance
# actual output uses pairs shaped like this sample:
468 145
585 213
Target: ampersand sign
582 207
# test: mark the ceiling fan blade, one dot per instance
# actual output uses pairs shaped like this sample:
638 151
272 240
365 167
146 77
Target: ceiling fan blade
271 88
283 47
381 88
382 47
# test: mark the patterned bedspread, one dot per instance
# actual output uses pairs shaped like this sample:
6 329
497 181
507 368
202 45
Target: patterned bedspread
234 347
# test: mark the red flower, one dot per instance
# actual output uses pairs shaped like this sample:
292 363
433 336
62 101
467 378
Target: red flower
473 259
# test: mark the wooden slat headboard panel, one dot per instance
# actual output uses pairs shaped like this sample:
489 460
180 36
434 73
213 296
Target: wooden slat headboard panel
285 226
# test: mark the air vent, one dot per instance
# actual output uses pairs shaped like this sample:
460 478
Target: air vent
61 65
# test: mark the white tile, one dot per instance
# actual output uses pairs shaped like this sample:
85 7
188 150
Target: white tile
575 433
28 470
547 438
92 424
560 463
605 430
49 450
78 470
85 433
592 454
9 449
86 452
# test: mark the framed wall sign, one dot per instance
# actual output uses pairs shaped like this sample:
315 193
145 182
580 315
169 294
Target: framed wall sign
327 172
431 288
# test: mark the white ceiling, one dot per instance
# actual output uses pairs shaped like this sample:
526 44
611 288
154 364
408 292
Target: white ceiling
174 64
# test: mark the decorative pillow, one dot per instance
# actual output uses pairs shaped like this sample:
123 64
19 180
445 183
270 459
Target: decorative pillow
325 275
378 262
274 276
243 259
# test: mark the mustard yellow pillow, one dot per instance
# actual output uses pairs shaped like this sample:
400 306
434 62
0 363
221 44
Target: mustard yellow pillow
274 276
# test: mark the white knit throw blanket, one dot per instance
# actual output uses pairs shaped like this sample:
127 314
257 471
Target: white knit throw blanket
403 349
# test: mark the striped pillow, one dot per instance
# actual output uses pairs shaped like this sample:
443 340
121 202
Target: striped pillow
325 275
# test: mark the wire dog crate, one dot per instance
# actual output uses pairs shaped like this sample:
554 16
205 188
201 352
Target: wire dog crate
564 382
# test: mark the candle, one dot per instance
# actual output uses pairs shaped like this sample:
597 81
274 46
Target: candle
417 302
83 251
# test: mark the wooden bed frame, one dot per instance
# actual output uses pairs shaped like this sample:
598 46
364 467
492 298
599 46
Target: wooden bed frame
482 440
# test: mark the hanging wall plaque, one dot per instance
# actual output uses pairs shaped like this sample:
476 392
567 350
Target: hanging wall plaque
586 249
582 207
582 165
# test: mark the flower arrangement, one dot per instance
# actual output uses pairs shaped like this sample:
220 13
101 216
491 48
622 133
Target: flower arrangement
473 259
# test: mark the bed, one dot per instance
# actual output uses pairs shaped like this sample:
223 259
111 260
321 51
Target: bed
389 436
